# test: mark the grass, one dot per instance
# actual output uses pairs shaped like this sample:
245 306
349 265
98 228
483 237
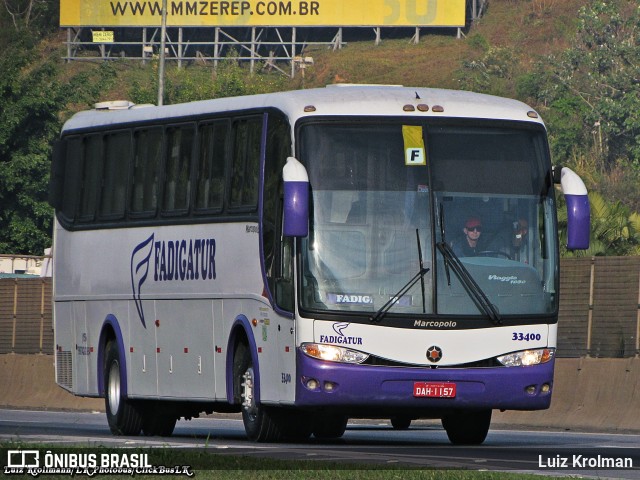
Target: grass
208 465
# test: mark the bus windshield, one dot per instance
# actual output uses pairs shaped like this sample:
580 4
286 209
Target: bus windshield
388 195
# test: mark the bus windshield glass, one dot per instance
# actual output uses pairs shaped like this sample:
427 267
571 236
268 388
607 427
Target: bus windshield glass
388 195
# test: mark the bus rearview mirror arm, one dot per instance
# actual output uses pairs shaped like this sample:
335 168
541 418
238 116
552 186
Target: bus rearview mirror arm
578 212
296 199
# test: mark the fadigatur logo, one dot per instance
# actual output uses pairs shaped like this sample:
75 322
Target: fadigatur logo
170 261
341 338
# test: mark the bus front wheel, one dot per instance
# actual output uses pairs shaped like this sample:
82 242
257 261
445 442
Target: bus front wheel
122 415
264 423
259 422
330 426
467 427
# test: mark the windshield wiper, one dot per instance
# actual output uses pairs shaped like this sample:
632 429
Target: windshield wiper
395 298
474 290
452 260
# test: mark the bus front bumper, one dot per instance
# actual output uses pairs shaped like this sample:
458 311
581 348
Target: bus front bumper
329 384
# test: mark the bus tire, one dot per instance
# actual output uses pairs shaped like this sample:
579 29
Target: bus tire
123 417
297 426
260 422
330 426
156 423
158 426
401 423
467 427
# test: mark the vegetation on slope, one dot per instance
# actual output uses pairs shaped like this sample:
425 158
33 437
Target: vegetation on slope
576 62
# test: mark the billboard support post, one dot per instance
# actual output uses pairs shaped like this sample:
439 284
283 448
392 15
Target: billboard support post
163 43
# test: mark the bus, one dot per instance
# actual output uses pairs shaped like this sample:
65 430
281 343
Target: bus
289 256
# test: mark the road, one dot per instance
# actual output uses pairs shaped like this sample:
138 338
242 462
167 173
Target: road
425 444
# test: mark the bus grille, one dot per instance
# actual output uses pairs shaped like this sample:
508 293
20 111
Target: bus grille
64 377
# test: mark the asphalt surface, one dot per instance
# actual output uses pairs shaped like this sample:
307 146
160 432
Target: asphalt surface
370 443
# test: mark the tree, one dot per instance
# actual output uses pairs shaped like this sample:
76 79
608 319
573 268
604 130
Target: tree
598 79
615 230
28 120
38 15
32 104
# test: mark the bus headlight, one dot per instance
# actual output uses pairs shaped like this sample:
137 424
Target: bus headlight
526 358
333 353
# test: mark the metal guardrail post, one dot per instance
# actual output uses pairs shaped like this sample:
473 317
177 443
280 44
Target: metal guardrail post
42 304
591 295
15 315
638 323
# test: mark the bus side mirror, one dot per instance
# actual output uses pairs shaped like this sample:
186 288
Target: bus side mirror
296 199
56 178
578 214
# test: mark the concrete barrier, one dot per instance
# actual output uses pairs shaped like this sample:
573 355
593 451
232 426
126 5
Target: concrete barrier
589 394
599 394
28 381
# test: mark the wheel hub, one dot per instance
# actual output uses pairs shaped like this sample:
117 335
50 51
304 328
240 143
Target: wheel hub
113 389
248 398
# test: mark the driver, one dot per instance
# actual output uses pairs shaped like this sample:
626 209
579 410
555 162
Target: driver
469 244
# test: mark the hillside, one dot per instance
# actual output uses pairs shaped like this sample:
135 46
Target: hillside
575 61
528 29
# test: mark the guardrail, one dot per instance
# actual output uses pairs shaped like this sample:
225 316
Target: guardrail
599 310
25 315
599 307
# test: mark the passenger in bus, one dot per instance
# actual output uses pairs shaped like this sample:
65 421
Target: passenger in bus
469 244
519 249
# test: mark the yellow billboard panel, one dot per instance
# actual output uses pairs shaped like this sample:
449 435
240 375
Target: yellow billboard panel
239 13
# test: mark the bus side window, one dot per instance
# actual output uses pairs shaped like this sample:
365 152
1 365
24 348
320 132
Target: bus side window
115 175
177 180
277 249
246 161
284 284
91 177
211 162
72 178
146 171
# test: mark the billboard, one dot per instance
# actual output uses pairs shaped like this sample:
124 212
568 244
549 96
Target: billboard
248 13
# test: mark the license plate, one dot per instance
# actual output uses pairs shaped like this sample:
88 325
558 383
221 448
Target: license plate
434 390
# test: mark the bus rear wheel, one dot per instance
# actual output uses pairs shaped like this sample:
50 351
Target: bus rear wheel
156 422
123 417
467 427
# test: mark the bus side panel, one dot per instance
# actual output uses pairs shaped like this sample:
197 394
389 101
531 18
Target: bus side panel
194 280
287 348
64 344
82 347
265 333
89 326
274 349
552 341
275 335
141 355
220 336
185 349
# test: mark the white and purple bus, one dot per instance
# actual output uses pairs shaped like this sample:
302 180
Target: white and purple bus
289 256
